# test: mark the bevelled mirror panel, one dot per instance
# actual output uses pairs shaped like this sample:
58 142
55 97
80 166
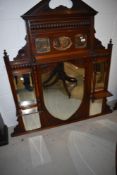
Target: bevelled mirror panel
62 43
31 121
42 45
63 89
80 41
24 89
99 76
96 107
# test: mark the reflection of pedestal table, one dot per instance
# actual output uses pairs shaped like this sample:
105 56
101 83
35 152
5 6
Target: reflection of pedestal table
60 75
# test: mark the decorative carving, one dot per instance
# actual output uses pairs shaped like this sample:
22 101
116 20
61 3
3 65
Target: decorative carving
39 26
62 43
20 66
98 44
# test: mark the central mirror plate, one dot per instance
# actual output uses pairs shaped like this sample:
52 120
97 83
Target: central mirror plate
63 89
62 43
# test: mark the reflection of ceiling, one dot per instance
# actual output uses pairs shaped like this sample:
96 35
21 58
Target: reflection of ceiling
73 70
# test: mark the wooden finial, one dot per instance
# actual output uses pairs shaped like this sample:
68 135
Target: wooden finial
110 41
110 44
5 53
6 57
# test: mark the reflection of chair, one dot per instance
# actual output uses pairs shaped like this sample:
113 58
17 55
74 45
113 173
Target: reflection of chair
60 75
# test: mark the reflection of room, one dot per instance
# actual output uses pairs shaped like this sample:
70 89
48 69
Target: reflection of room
56 98
25 89
31 121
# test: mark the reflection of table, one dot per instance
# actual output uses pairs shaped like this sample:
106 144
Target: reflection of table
60 75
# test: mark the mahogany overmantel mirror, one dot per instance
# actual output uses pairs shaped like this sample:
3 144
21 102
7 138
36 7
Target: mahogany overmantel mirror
61 74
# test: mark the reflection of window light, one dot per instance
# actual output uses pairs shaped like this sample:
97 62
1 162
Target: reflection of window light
83 39
25 103
38 151
22 79
29 111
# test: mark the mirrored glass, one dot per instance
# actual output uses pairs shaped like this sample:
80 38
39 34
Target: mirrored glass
100 76
95 107
80 41
42 45
31 121
24 89
63 89
62 43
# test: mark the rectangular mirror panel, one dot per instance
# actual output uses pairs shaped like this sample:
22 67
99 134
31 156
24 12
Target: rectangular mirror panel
42 45
99 74
25 90
31 121
95 107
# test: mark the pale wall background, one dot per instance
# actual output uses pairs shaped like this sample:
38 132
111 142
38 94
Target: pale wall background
12 33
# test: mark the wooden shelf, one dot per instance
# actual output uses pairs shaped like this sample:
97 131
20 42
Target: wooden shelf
101 94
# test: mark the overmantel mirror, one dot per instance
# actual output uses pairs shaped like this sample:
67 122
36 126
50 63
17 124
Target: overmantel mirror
61 75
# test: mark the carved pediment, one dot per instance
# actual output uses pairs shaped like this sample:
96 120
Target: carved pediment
43 9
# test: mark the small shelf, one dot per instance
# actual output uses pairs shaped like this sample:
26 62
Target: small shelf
101 94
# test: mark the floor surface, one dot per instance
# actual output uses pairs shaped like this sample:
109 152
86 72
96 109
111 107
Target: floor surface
82 148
